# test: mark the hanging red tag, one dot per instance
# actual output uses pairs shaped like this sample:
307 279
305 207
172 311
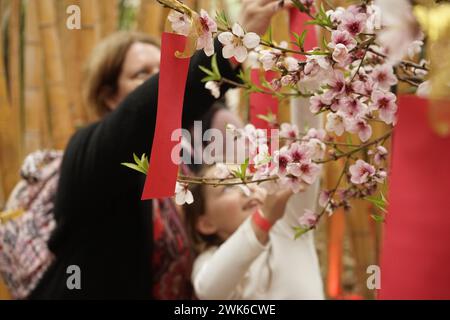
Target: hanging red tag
297 24
163 170
262 104
416 247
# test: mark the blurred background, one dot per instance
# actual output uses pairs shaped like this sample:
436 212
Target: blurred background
41 72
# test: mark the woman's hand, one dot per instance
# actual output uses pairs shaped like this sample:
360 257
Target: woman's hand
256 14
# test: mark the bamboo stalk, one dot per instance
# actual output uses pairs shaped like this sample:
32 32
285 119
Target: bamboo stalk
36 126
10 109
152 18
3 104
109 16
90 35
73 61
5 110
60 115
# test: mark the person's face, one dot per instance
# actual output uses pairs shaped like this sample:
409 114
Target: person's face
141 62
227 207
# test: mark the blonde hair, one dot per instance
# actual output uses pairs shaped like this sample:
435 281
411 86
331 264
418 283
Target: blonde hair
104 67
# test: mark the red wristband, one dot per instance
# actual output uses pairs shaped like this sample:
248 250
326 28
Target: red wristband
261 222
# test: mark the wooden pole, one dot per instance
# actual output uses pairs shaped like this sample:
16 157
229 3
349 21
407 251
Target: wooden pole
90 35
60 115
10 109
109 14
36 126
152 18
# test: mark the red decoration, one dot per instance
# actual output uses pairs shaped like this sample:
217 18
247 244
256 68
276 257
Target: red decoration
416 250
260 103
163 172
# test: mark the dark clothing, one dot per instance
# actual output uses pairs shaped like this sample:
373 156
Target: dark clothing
102 225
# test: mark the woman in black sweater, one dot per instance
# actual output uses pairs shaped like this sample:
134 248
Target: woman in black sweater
103 227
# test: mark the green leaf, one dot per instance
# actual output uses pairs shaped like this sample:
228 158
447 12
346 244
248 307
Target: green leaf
302 39
380 203
134 167
243 169
300 6
270 117
299 231
324 42
215 67
378 218
206 70
349 139
136 159
222 19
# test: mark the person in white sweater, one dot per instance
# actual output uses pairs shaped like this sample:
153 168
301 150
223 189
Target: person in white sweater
239 257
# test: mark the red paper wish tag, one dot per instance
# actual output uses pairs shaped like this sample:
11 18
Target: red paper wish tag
416 249
297 21
163 170
262 104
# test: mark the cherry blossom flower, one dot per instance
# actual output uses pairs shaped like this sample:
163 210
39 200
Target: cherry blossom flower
384 102
263 156
307 171
400 28
205 40
275 84
341 55
335 123
324 198
213 86
314 133
318 148
181 23
237 42
300 152
336 15
361 127
317 103
353 23
262 171
364 87
287 80
380 176
342 37
336 84
379 155
383 76
361 171
268 59
314 64
222 171
291 64
183 194
415 48
373 18
353 107
281 160
289 131
292 182
309 219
